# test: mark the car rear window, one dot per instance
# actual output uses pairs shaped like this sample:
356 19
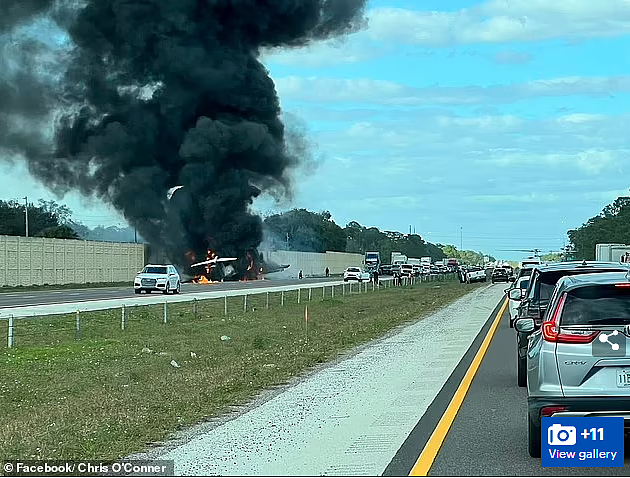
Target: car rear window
548 280
597 305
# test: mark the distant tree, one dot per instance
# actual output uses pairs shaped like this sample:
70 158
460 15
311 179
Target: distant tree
307 231
612 225
44 220
63 231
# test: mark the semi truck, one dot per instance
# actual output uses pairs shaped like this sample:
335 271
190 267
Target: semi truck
372 261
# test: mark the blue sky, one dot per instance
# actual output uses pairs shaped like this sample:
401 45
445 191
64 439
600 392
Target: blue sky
506 120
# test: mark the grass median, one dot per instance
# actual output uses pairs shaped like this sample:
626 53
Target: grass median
54 287
99 392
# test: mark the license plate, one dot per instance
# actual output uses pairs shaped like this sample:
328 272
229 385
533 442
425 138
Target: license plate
623 378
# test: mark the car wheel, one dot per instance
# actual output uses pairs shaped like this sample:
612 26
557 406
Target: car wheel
166 289
533 438
178 289
138 291
521 371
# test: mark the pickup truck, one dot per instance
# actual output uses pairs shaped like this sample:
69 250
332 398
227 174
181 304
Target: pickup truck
476 275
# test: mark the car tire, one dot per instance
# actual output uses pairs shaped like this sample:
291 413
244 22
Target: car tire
138 291
166 289
533 438
521 371
178 289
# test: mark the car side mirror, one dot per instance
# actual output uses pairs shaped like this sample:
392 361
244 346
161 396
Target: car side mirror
515 294
525 326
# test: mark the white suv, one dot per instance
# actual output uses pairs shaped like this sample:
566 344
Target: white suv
355 273
164 278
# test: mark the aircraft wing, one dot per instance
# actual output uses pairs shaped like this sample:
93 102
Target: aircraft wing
227 259
204 263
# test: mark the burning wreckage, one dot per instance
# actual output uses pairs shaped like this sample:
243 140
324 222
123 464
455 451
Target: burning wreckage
215 269
163 110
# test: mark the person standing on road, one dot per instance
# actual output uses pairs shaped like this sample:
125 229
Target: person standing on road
300 276
327 272
375 277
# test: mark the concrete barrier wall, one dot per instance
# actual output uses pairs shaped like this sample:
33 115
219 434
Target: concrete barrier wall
312 264
38 260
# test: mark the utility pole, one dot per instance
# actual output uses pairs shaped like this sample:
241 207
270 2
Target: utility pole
26 214
287 241
461 238
135 235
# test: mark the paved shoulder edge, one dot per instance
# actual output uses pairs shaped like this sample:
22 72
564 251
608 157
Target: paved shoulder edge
408 453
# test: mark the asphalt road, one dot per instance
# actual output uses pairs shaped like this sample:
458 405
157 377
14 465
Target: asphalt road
489 434
29 298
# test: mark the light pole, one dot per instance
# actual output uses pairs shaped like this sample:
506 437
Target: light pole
461 238
26 214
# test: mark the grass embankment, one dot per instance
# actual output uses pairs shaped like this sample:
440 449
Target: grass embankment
51 287
104 394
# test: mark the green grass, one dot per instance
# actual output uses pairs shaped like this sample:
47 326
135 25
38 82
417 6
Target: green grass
86 285
105 393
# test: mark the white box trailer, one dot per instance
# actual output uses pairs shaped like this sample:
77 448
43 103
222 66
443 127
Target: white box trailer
398 258
604 252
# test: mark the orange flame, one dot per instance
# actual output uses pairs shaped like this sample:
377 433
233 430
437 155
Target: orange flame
203 280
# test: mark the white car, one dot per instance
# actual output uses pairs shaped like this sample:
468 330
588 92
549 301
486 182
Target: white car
163 278
355 273
476 275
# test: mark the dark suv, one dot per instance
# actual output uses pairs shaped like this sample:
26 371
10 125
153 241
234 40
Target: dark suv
536 298
500 275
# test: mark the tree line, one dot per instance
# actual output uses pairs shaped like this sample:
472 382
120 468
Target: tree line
296 230
53 220
611 226
306 231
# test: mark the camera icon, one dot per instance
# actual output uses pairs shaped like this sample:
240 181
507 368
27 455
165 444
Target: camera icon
561 435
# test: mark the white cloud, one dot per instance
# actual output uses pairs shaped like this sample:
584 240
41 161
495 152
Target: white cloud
502 21
533 197
369 91
351 50
492 22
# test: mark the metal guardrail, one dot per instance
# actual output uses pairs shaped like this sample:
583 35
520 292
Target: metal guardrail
11 315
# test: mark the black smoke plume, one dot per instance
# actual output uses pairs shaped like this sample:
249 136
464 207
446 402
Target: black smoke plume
157 94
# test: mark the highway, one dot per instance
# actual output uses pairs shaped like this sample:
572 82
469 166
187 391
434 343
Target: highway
47 297
488 436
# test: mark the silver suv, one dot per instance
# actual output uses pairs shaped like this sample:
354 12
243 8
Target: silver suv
573 368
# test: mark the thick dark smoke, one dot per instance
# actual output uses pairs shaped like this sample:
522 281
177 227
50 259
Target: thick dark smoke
161 93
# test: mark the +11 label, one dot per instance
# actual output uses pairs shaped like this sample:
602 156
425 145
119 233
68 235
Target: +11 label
593 434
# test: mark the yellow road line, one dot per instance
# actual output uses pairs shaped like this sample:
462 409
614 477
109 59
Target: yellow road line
431 449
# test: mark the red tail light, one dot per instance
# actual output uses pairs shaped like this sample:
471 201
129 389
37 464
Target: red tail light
622 285
549 411
552 332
